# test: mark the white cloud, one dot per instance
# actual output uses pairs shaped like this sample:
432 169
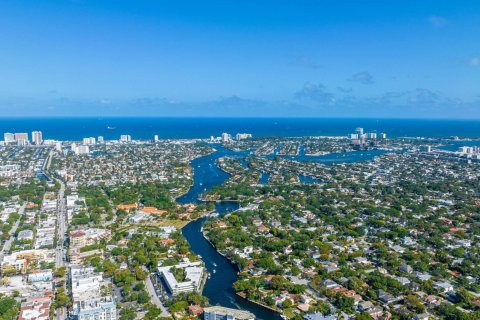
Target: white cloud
474 61
362 77
306 62
437 21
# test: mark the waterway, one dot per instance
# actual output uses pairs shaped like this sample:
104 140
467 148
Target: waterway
223 273
207 175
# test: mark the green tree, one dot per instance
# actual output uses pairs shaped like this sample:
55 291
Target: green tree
61 298
9 308
287 304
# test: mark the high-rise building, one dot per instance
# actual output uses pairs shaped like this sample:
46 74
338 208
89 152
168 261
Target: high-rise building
125 138
226 137
89 141
22 143
8 137
363 138
241 136
465 149
155 138
21 138
383 136
49 142
359 131
82 150
37 137
100 139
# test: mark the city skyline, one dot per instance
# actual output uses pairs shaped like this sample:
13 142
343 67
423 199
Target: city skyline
240 160
344 59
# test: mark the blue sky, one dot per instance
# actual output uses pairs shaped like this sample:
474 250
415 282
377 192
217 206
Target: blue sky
240 58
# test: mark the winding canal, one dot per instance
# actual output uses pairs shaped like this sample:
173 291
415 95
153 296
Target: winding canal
207 175
218 288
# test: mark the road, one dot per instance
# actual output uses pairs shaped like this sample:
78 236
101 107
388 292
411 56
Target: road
60 250
8 244
156 301
61 227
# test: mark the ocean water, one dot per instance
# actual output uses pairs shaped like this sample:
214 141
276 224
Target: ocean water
145 128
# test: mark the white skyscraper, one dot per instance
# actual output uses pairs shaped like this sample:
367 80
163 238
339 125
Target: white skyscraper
8 137
465 149
155 138
49 142
80 149
125 138
21 138
100 139
37 137
89 141
426 148
359 131
241 136
225 137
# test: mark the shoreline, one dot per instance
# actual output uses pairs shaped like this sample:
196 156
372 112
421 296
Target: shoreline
229 260
238 294
236 265
220 252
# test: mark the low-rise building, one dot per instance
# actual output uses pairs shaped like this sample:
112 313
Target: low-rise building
103 308
222 313
194 276
36 307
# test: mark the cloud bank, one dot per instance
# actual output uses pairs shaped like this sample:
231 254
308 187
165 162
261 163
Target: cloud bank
311 100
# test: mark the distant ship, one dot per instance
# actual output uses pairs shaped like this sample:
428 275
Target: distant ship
110 128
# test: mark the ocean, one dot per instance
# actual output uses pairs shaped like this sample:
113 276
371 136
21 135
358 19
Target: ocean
185 128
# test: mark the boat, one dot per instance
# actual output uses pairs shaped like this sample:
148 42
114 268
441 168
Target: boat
110 128
214 264
208 276
214 270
